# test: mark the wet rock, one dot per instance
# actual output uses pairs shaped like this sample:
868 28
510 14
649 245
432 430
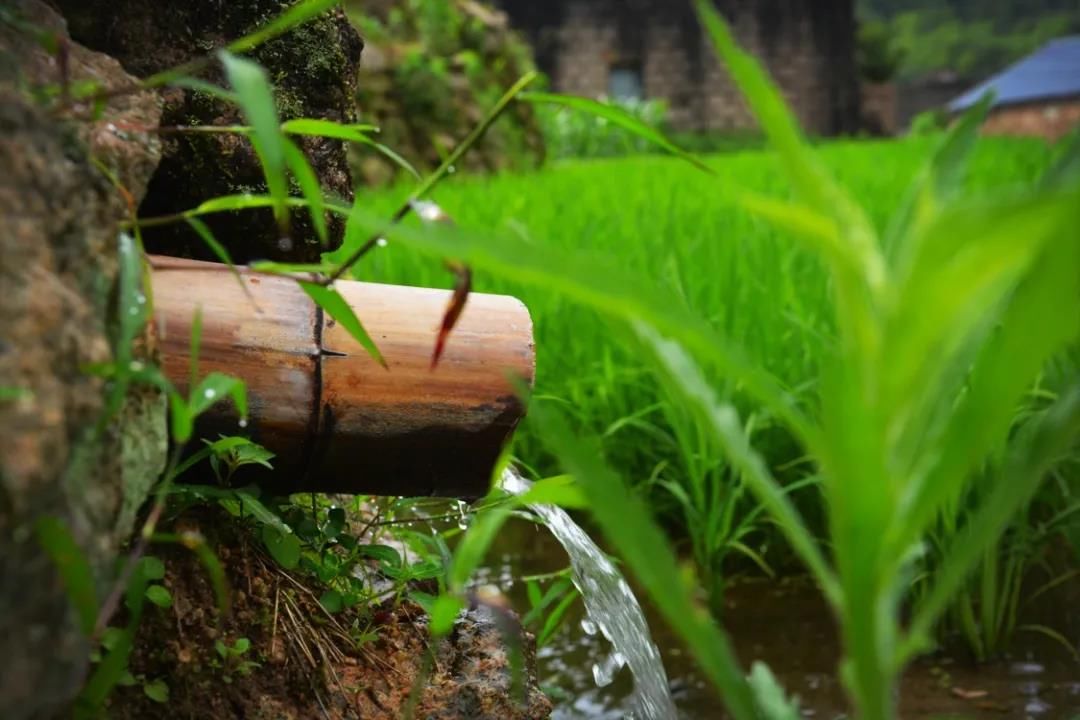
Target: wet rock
314 70
57 272
474 676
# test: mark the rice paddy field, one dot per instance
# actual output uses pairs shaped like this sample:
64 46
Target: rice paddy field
665 225
669 224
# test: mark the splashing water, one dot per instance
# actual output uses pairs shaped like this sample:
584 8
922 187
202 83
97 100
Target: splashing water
612 608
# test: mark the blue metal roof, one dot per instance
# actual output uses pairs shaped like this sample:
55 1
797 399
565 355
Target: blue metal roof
1050 72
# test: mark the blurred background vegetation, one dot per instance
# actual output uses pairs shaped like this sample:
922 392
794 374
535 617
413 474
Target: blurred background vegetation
969 37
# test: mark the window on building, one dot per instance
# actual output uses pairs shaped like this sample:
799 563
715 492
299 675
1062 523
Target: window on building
624 82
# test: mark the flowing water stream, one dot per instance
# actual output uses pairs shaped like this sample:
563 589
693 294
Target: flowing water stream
612 609
604 664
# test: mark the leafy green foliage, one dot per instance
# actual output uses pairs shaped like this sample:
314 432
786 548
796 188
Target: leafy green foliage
330 300
252 87
67 556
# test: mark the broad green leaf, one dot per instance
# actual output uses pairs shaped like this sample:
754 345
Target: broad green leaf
254 507
215 387
331 301
309 186
332 601
157 690
151 567
561 490
159 596
73 567
629 525
617 116
383 553
283 547
256 97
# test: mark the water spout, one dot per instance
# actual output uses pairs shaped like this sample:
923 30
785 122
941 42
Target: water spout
612 608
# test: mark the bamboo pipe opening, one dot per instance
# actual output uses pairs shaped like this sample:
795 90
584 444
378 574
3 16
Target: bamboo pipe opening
336 420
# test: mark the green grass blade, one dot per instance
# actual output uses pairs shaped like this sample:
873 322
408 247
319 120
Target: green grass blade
939 180
627 523
219 250
1030 330
620 117
256 98
331 301
857 292
309 185
723 422
1041 444
320 127
73 567
351 133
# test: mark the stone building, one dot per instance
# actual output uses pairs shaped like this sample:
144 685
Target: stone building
657 49
1037 96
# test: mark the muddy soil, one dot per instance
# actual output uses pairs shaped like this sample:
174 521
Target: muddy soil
302 661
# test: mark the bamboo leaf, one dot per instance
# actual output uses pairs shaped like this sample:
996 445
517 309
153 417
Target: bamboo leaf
207 236
309 186
619 117
215 387
331 301
73 567
256 99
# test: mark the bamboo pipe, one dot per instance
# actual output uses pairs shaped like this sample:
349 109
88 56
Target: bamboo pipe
336 420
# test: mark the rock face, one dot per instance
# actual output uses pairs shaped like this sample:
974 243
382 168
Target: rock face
58 270
314 70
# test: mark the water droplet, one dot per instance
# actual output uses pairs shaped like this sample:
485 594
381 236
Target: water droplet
243 422
210 393
141 299
133 311
588 626
451 170
381 242
285 244
136 366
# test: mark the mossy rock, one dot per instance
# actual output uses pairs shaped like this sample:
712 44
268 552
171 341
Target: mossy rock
314 71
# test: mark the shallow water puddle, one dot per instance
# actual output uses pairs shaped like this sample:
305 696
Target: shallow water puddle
785 624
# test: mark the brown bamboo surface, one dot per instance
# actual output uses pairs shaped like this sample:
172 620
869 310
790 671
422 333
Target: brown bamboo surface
336 419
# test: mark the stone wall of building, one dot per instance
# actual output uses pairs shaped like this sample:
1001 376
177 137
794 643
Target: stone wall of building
1051 119
807 46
